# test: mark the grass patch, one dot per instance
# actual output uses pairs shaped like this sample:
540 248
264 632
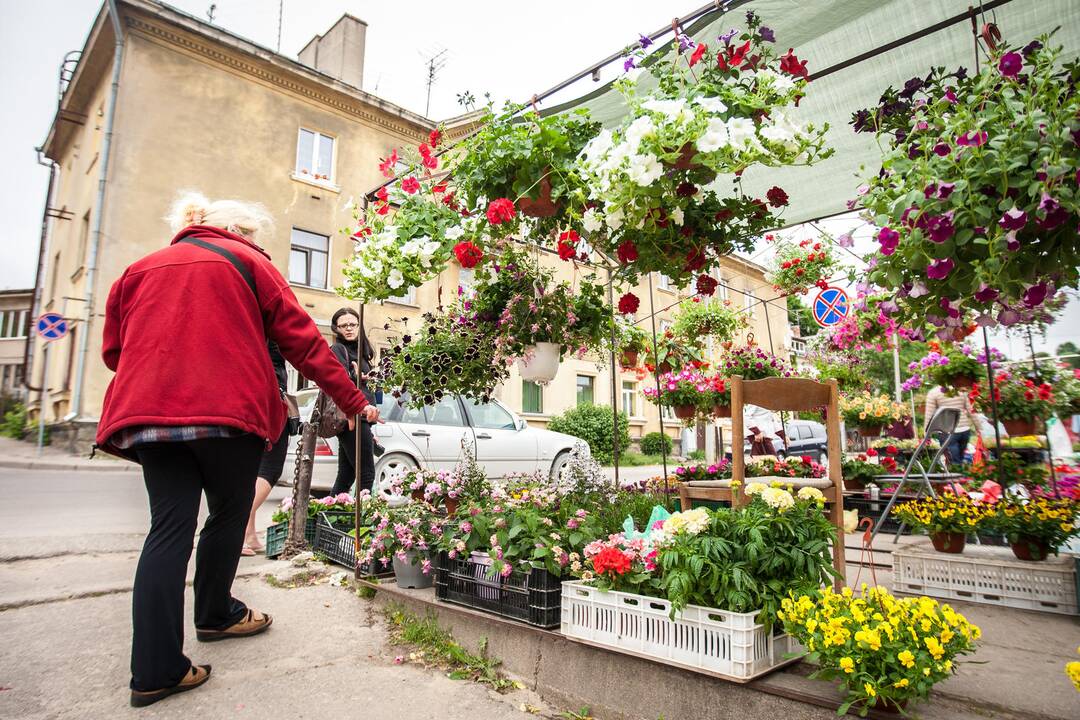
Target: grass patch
366 592
435 647
636 459
304 578
582 714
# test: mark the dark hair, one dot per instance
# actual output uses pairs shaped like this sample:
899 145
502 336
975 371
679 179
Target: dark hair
369 352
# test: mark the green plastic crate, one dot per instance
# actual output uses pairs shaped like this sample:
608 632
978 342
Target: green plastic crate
278 533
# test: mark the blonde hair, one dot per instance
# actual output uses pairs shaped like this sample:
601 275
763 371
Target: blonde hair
191 207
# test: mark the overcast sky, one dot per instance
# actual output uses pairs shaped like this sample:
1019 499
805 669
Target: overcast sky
511 50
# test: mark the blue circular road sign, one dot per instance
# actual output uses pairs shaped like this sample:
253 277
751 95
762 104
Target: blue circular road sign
51 326
831 306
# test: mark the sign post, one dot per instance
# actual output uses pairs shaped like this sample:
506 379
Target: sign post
49 327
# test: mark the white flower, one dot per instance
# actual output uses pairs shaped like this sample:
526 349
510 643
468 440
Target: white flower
677 216
411 248
777 133
645 169
597 147
740 130
455 232
674 110
614 218
712 104
781 83
370 268
754 488
639 129
715 137
591 220
809 493
633 74
777 498
395 279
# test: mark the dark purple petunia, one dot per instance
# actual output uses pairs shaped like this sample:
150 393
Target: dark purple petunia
889 239
628 64
1031 47
1035 295
950 96
972 139
1055 214
644 41
1010 64
940 228
942 149
1011 243
961 73
913 151
929 191
986 294
766 34
945 190
940 269
1013 219
860 121
910 88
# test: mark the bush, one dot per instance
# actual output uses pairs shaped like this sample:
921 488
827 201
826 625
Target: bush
592 423
14 423
698 455
656 443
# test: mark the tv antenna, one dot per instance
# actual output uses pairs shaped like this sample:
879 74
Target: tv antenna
435 63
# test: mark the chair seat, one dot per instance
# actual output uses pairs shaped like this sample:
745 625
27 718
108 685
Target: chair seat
708 483
819 483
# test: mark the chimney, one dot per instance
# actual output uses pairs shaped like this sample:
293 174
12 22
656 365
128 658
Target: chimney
340 52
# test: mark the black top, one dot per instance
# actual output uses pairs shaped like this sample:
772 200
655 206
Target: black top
278 361
347 354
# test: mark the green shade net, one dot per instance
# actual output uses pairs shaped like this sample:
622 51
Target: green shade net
830 32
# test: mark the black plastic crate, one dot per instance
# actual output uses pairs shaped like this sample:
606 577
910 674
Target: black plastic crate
534 597
333 540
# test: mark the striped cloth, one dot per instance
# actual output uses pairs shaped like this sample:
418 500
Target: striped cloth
143 434
937 399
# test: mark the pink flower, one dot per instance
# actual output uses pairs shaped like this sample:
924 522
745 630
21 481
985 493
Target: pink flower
942 149
889 239
1010 64
466 527
972 139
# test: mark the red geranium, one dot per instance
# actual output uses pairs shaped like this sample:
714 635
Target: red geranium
611 560
871 453
434 137
386 167
382 194
699 52
468 254
706 285
568 244
777 197
629 303
500 211
889 464
410 185
792 65
892 450
627 252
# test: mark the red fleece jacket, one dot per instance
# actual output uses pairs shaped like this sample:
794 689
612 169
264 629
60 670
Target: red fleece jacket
188 342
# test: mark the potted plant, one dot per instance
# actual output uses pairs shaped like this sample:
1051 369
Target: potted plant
800 266
681 391
870 413
671 352
957 367
947 518
859 471
699 320
792 467
651 178
883 665
1021 403
406 537
631 341
752 363
976 198
716 471
1037 527
717 397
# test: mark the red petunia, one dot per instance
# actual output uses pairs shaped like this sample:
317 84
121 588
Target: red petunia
732 57
383 209
695 259
792 65
386 167
699 52
430 162
425 150
627 252
568 244
629 304
383 194
500 211
434 137
777 197
439 189
410 185
468 254
706 285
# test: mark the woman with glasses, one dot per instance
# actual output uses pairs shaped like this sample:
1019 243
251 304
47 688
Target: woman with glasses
349 338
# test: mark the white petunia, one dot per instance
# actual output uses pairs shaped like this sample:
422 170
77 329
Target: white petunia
614 218
712 104
598 147
777 133
715 137
591 220
677 216
640 128
645 169
674 110
395 279
740 130
411 248
781 83
455 232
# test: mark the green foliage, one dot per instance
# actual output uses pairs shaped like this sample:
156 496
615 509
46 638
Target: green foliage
800 314
14 424
697 321
1069 348
656 443
636 459
593 424
696 455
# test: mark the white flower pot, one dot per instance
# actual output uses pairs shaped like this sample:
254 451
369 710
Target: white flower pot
540 364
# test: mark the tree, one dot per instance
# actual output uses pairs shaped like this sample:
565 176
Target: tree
1069 348
799 314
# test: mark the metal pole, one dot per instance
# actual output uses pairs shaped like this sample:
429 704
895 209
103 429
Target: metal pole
614 394
656 376
993 407
1038 378
896 369
41 395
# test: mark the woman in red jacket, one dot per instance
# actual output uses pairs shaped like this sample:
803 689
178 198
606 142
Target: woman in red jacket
195 401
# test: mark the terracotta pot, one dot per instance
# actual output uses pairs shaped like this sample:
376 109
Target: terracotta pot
721 411
854 484
1016 428
874 431
948 542
542 206
417 495
685 412
664 367
451 505
542 364
629 358
1029 548
963 381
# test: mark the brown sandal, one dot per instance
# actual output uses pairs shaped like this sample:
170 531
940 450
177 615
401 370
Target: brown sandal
252 624
193 679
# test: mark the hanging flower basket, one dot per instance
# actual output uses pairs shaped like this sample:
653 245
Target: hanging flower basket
1030 548
1020 427
870 430
664 367
721 411
451 505
685 412
542 206
948 542
541 362
963 381
629 358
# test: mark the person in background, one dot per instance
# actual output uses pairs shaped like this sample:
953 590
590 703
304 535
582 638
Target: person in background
194 400
760 443
936 399
349 338
273 460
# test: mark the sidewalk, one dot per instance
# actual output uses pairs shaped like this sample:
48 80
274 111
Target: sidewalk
24 455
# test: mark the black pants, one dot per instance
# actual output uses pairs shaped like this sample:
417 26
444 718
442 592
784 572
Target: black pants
346 473
176 475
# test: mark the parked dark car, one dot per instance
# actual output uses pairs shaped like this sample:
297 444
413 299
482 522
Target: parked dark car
805 437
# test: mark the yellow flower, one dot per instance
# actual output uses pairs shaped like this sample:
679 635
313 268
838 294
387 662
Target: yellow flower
907 658
1073 671
901 683
870 691
847 664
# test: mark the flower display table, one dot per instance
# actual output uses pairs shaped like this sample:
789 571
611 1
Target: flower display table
725 644
989 575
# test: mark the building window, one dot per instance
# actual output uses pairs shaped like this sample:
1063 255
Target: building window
308 258
666 412
84 234
664 282
749 301
55 272
466 279
723 289
409 298
315 155
13 323
629 398
585 389
532 397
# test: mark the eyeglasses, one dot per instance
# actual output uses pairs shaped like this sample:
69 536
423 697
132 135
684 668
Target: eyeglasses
347 326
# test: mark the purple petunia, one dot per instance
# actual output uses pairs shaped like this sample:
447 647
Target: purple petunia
1055 214
1010 64
644 41
889 239
845 240
940 269
972 139
940 227
1013 219
766 34
1033 46
628 64
986 294
1035 295
950 96
726 37
942 149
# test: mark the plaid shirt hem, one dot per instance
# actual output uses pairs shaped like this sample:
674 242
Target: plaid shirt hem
143 434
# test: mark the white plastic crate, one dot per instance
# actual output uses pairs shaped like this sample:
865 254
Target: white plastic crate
990 575
718 642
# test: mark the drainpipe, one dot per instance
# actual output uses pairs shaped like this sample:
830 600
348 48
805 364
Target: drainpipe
39 277
91 263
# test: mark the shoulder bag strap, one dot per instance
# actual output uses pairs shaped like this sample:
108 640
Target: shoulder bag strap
235 261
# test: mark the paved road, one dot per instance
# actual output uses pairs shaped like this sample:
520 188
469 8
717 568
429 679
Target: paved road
69 542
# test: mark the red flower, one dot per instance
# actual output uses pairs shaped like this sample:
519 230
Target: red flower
695 260
430 162
799 272
439 189
500 211
629 303
383 209
806 459
386 167
699 52
627 252
410 185
892 450
434 137
611 561
792 65
889 464
732 57
823 284
706 285
777 197
468 254
382 194
425 150
568 244
871 453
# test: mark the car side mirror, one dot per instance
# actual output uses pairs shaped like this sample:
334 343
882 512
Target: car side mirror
521 424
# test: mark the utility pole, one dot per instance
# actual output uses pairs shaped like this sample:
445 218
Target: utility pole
280 13
435 63
211 11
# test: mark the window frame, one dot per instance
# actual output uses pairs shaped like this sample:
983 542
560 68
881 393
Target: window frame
629 407
308 252
539 398
311 176
578 387
409 298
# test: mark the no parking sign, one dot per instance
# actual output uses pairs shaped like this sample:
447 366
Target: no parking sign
51 326
831 306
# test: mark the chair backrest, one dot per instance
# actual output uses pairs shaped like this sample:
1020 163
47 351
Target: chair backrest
940 428
944 422
785 393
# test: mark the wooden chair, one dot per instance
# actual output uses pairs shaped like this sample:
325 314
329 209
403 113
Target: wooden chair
791 394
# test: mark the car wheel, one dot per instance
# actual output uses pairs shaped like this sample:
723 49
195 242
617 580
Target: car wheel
389 467
559 464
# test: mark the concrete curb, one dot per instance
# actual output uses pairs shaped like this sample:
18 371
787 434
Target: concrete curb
67 466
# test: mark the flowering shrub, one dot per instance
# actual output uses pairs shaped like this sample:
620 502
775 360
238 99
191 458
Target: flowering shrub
343 502
871 411
619 564
716 471
1017 398
886 651
711 114
977 196
1044 521
800 266
946 513
408 533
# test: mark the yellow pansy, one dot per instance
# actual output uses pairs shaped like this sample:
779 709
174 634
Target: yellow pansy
907 658
847 664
